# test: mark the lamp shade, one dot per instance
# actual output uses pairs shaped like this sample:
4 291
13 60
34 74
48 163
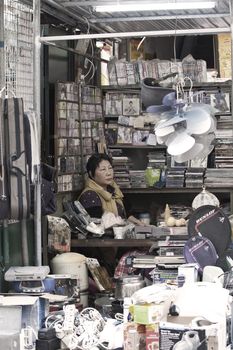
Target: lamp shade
179 142
152 93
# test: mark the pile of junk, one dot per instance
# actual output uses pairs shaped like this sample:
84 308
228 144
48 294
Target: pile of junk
143 307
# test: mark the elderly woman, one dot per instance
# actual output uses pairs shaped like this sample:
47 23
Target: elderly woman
101 193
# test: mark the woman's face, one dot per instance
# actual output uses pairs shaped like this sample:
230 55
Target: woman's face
104 174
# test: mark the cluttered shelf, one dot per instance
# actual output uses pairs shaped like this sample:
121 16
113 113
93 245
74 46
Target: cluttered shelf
209 84
120 87
124 145
176 190
111 242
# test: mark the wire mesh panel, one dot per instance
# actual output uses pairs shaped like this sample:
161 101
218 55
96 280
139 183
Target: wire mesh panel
18 43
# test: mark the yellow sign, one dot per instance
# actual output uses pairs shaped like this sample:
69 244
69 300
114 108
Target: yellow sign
224 52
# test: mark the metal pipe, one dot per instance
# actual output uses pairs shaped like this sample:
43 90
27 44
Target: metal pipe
36 107
231 26
112 2
154 33
2 266
24 242
157 18
69 13
6 245
69 49
2 56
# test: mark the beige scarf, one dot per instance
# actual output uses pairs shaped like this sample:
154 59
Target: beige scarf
108 199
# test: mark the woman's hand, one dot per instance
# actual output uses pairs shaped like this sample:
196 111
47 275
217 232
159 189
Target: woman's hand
136 221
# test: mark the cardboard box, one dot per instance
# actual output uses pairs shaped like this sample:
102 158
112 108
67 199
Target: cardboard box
23 310
189 271
177 331
151 313
10 319
11 341
152 336
134 336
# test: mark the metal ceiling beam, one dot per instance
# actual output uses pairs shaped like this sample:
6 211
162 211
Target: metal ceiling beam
67 19
63 10
155 33
81 3
110 2
157 18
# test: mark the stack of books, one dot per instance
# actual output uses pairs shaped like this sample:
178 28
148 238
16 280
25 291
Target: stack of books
156 159
224 143
194 177
137 178
218 178
175 177
121 165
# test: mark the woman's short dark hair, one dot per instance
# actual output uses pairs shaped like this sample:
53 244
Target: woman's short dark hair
94 161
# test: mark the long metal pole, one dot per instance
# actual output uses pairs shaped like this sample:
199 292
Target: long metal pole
36 107
231 27
154 33
2 58
158 18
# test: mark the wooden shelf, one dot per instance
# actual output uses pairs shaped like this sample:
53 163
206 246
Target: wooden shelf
208 84
111 242
99 242
212 84
120 87
122 145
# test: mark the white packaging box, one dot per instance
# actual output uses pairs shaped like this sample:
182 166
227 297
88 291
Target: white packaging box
10 326
189 271
179 330
22 311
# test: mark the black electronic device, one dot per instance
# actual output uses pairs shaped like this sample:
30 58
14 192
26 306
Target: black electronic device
48 344
47 333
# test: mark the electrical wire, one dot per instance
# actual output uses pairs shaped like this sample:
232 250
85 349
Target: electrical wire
141 42
85 335
92 66
174 48
174 42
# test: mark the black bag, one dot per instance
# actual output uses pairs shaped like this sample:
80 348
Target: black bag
14 180
48 197
201 251
48 190
4 194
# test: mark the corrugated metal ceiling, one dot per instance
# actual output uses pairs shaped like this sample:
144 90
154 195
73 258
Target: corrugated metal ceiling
80 12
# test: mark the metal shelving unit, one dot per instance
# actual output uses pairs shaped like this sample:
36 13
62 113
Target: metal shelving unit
212 29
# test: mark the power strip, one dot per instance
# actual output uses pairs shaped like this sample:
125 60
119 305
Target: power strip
70 312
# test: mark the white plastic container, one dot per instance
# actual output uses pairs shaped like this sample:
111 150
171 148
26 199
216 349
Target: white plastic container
84 298
73 264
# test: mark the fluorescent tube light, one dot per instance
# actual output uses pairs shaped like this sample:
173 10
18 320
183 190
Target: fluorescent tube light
162 6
